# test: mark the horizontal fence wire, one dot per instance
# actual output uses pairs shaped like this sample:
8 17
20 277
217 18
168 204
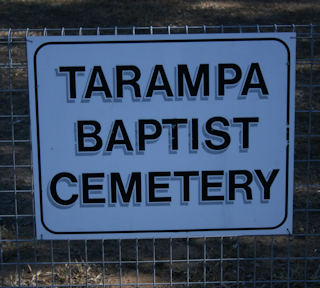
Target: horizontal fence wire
251 261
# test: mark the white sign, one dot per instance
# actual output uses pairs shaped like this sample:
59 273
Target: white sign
162 135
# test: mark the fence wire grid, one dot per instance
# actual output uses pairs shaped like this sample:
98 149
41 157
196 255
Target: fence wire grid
260 261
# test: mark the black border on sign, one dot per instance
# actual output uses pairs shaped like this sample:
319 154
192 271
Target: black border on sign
162 41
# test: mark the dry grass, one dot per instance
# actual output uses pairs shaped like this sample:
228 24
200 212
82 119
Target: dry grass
271 260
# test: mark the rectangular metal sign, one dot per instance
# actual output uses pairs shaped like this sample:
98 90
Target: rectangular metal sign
142 136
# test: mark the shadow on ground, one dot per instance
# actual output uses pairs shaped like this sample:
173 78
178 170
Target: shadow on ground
86 13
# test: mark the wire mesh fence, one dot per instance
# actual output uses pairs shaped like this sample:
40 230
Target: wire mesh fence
256 261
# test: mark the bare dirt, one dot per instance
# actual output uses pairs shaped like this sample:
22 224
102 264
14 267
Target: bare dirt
88 13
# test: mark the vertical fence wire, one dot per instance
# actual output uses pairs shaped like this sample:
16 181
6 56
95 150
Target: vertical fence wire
204 262
153 262
271 264
10 44
221 262
309 152
69 263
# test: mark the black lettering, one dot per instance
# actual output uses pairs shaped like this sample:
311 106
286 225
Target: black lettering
53 188
154 186
119 126
174 123
186 182
165 86
97 71
86 187
193 88
131 82
72 70
233 186
88 135
214 132
266 183
245 128
261 84
222 82
135 180
206 185
195 137
142 133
